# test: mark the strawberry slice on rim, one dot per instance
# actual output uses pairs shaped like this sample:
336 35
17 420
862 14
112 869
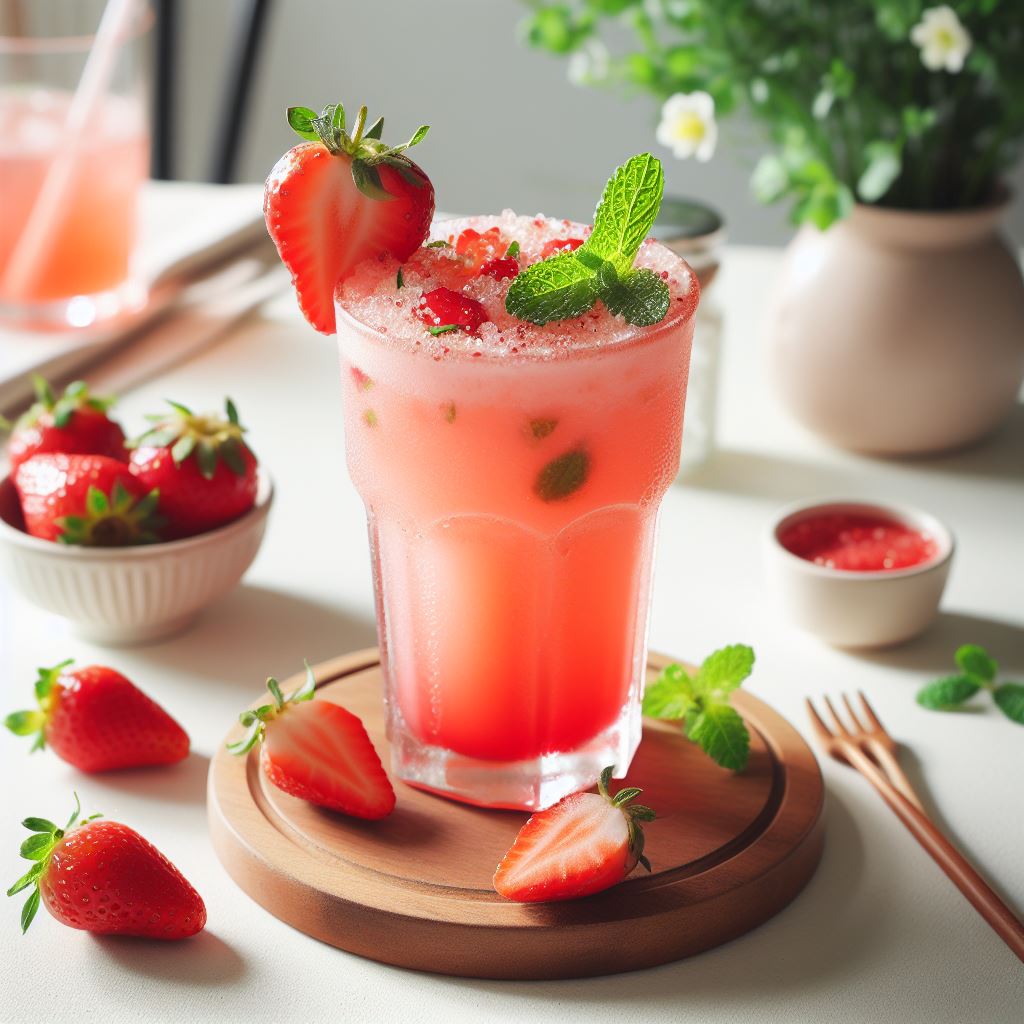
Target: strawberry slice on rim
338 199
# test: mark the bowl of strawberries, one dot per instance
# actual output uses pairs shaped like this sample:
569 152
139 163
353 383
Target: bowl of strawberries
128 540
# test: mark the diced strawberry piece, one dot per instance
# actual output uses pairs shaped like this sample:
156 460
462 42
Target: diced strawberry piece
443 306
476 249
558 245
501 269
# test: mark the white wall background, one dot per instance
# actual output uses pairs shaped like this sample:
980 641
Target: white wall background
507 128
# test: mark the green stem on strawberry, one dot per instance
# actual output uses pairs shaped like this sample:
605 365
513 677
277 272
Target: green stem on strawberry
635 813
28 723
366 149
256 721
38 848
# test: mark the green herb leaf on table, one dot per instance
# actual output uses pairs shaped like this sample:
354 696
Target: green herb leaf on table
567 285
975 661
978 670
1009 699
720 732
702 702
948 693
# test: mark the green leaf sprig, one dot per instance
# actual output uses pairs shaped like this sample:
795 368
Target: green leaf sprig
567 285
978 671
702 701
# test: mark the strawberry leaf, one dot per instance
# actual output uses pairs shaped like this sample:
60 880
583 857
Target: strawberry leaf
28 911
367 180
300 120
722 734
39 825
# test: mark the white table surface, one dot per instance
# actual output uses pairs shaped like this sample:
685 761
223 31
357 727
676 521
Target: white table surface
879 934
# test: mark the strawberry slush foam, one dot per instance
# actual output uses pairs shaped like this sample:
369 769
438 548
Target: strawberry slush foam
512 478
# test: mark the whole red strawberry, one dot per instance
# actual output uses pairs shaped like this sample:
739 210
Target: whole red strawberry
585 843
91 500
341 198
317 751
97 720
202 467
103 877
76 423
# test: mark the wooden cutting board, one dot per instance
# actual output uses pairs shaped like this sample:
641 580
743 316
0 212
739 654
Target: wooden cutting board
727 852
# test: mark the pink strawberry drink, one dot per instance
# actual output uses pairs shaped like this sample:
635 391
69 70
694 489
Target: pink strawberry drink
512 478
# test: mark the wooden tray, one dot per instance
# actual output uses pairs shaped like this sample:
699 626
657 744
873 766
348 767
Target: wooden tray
727 851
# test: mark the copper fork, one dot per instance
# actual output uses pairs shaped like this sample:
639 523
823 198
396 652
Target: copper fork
846 745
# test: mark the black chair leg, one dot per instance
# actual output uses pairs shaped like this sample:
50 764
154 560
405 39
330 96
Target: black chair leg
165 44
242 64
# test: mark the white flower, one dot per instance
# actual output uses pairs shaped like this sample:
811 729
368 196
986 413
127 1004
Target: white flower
688 125
942 39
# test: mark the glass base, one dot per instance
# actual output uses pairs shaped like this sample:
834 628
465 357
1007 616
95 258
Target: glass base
529 785
76 311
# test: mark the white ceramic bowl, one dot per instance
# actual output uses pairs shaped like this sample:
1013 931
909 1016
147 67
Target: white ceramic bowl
129 595
858 609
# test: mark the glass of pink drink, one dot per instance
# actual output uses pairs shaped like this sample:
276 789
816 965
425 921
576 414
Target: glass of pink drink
512 480
78 270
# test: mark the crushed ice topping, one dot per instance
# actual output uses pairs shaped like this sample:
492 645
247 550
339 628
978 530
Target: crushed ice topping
479 259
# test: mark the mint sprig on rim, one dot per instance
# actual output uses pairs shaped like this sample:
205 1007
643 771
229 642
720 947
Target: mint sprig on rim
978 671
702 701
569 284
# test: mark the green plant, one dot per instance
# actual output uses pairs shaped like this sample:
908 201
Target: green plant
703 702
978 670
893 102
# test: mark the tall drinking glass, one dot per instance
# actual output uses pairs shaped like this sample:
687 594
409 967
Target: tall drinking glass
68 201
512 501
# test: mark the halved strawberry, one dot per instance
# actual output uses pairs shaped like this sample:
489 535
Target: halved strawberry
338 199
583 844
318 752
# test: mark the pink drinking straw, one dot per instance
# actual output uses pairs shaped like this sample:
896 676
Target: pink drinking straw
31 247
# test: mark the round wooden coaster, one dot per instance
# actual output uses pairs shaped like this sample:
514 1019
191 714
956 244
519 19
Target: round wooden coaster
727 852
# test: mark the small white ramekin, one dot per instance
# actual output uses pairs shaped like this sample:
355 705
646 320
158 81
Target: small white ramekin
858 609
129 595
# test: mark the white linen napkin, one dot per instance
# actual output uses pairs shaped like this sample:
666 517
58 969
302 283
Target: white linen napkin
186 231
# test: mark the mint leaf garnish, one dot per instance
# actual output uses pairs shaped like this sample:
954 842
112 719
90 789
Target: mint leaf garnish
978 671
702 702
641 297
569 284
977 662
1010 700
625 215
563 476
671 695
512 252
724 670
560 288
720 732
947 694
439 244
443 329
